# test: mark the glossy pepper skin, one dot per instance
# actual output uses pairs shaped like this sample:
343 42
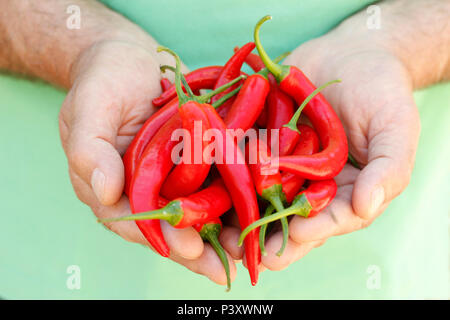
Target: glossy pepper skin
153 168
268 183
187 178
280 109
148 130
249 103
308 203
308 144
330 161
165 84
150 173
231 70
200 207
143 137
240 185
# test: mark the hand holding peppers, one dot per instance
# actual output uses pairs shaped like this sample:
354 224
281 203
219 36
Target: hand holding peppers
152 177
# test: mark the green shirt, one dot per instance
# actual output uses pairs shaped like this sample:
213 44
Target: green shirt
46 229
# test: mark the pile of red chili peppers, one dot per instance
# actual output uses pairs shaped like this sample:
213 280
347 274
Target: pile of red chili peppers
271 174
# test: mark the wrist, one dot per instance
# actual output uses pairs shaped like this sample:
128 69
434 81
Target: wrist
415 32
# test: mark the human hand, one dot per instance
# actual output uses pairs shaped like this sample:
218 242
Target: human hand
376 106
113 83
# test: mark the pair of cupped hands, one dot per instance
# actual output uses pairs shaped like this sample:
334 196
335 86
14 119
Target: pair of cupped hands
113 83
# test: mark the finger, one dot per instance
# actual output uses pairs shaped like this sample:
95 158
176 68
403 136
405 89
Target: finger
126 229
338 218
185 243
261 267
347 175
393 139
292 252
90 146
209 265
229 238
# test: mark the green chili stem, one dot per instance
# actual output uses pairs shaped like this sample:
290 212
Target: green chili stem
300 206
214 241
206 97
278 204
182 97
262 232
172 213
281 57
223 99
274 68
292 124
353 161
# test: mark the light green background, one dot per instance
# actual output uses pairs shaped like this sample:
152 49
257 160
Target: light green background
45 229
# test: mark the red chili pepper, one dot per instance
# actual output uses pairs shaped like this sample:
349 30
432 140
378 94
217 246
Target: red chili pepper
152 169
240 185
280 109
267 181
330 161
291 183
154 166
184 212
253 60
249 103
186 178
308 144
154 123
307 204
262 119
210 231
232 68
165 84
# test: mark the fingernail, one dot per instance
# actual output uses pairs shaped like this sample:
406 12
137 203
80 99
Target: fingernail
376 200
98 183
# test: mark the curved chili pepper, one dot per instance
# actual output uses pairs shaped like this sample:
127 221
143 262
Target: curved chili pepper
184 212
291 183
330 161
153 124
209 231
253 60
249 102
267 181
152 169
307 204
232 68
280 109
308 144
165 84
240 185
186 178
154 166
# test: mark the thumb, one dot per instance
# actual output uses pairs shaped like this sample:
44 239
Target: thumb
92 155
393 138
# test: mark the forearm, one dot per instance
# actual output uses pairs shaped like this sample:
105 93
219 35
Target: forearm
35 39
416 31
